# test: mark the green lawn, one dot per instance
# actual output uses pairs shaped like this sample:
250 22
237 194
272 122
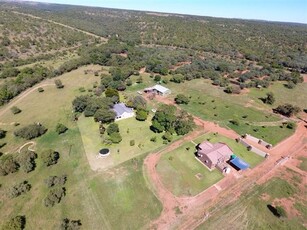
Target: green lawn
239 150
130 129
251 211
178 170
271 134
303 164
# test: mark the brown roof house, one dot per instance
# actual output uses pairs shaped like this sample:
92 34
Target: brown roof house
214 155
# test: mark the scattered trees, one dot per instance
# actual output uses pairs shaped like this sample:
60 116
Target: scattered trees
60 128
287 110
31 131
50 157
19 189
181 99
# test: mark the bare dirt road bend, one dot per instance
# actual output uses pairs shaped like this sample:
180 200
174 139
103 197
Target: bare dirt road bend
195 210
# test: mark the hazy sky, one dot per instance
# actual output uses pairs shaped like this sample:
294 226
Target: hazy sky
274 10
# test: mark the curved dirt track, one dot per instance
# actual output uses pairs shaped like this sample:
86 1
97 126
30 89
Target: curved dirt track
195 210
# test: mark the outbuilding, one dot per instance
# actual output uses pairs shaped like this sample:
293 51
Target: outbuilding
158 89
122 111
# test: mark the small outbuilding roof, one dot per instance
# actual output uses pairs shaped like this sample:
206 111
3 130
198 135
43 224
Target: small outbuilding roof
161 88
121 108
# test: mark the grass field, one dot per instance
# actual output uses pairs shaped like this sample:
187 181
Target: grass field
251 211
117 197
271 134
303 164
178 171
130 129
238 149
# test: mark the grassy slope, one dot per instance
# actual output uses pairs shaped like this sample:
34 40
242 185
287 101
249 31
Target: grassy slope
251 212
303 164
88 192
178 169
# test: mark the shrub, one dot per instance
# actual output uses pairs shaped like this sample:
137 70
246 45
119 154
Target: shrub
26 161
115 138
67 224
15 110
31 131
234 122
112 128
19 189
181 99
153 139
50 157
81 89
141 114
58 83
291 125
102 129
287 110
167 136
60 128
2 133
55 180
40 90
8 165
54 196
16 223
132 142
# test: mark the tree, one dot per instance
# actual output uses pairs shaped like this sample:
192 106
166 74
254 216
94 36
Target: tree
2 134
68 224
54 196
15 223
115 138
181 99
157 78
102 129
178 78
80 103
8 165
15 110
184 123
270 98
137 102
19 189
40 89
139 80
58 83
164 119
229 89
55 181
167 136
141 114
104 115
113 93
291 125
26 160
112 128
50 157
287 110
60 128
31 131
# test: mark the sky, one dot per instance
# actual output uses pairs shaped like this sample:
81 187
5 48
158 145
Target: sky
272 10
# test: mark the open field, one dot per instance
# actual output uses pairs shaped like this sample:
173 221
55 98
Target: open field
239 150
130 129
303 164
39 107
178 170
251 211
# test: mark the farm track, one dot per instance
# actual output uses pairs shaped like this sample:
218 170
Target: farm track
195 210
61 24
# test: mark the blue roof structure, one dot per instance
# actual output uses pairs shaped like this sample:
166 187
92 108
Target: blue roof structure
121 108
239 163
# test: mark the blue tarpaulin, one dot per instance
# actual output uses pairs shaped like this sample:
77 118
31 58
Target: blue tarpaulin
239 163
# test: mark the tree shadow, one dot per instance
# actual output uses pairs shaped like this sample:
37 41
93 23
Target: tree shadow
273 210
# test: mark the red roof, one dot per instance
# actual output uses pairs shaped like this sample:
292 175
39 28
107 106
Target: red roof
215 152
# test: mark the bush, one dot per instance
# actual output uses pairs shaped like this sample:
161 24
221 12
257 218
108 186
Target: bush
287 110
40 90
141 114
8 165
67 224
2 133
112 128
81 89
234 122
16 223
58 83
115 138
55 180
26 161
181 99
54 196
291 125
153 139
102 129
132 142
167 136
50 157
31 131
19 189
60 128
15 110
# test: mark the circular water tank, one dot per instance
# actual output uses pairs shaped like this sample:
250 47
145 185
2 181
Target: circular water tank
104 152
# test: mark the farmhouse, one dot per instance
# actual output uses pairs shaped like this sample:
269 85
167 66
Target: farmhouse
158 89
122 111
214 155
